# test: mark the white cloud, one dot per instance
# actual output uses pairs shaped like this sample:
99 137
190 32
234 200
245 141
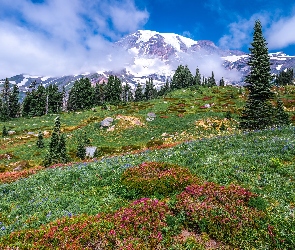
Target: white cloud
240 32
281 33
206 64
277 29
64 37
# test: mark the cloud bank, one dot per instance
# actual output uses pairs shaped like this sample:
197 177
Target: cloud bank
277 29
54 37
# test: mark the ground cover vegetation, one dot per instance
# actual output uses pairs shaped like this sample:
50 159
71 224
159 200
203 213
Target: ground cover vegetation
173 170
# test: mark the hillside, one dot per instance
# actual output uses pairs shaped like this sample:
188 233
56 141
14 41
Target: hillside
155 165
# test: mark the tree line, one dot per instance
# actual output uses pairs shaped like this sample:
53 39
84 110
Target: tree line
40 100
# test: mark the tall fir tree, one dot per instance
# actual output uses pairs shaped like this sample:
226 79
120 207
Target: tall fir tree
211 80
258 111
4 131
127 95
138 94
4 109
99 94
40 142
14 105
150 91
285 77
221 82
182 78
197 78
165 89
81 95
54 99
281 117
57 147
113 90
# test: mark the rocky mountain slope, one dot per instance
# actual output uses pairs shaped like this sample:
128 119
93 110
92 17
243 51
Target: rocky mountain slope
157 55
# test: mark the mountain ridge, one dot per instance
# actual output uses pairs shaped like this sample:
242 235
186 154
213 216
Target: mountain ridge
156 55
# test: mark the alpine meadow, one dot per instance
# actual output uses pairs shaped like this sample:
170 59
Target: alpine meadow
196 163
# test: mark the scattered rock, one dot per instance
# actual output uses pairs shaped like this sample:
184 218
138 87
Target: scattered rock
151 117
18 168
107 122
110 129
11 132
90 151
46 133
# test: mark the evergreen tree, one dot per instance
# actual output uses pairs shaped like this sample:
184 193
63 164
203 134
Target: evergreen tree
38 104
57 146
182 78
197 78
113 90
127 95
100 90
221 82
40 142
211 80
138 95
4 109
81 95
285 78
150 92
4 131
54 99
282 118
258 112
14 105
35 101
164 89
81 147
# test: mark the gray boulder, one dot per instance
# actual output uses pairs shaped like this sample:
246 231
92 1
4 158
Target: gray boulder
107 122
90 151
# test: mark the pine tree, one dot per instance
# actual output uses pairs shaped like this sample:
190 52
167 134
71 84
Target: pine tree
282 118
54 99
164 89
4 109
211 80
40 142
113 90
182 78
258 112
150 92
138 95
4 131
127 95
81 95
221 82
57 146
285 78
197 78
14 105
99 94
81 147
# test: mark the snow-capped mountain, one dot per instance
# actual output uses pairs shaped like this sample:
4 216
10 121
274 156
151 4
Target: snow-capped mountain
157 55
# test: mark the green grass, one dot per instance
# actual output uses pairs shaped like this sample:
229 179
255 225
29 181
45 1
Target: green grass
261 161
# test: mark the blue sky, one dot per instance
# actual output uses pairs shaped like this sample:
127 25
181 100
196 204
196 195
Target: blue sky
57 37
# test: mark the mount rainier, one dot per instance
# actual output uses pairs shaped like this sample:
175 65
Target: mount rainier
157 55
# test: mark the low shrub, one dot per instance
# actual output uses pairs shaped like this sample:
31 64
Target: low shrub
156 178
223 213
137 226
